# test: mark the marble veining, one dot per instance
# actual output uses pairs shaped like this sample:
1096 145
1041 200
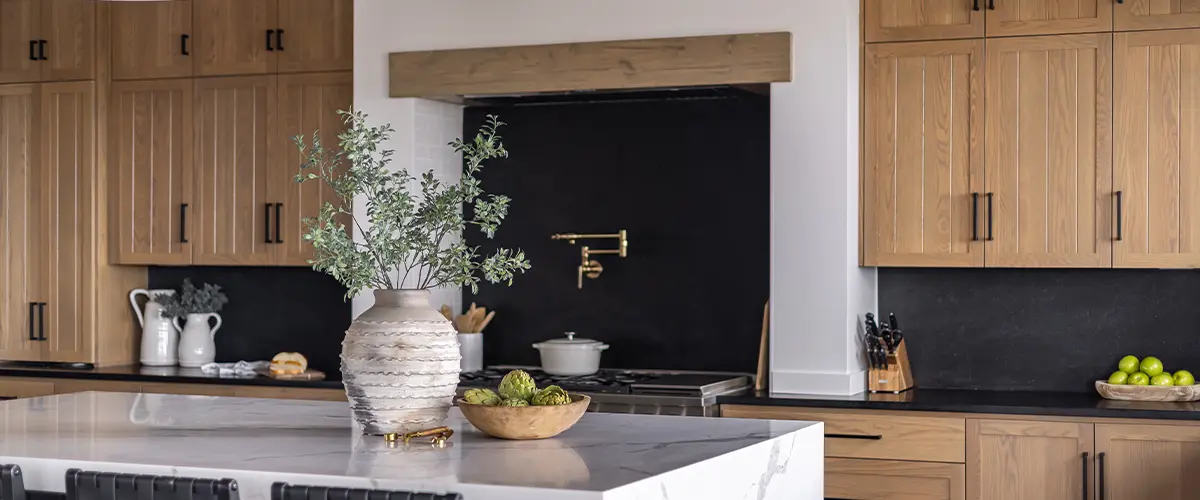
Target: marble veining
257 441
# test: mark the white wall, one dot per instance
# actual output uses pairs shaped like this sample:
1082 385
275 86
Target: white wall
816 286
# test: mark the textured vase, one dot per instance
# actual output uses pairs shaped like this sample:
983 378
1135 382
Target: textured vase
400 364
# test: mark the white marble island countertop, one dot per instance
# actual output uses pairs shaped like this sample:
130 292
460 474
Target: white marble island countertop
260 441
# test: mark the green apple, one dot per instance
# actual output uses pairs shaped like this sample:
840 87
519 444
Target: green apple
1152 366
1138 378
1162 379
1184 377
1118 378
1128 364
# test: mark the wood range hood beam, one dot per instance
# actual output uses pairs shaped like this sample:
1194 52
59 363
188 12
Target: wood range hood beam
613 65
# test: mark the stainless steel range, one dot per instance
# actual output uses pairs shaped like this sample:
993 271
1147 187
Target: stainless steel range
648 392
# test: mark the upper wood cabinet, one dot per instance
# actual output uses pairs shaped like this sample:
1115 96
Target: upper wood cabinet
315 35
18 41
234 37
233 209
69 39
152 39
1049 149
1156 181
1029 459
1147 461
1156 14
1048 17
923 154
151 129
901 20
21 226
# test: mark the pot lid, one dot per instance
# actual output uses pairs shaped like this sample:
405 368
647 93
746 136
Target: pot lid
570 342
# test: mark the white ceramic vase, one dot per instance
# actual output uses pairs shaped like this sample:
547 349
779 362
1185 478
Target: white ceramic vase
160 339
400 364
197 344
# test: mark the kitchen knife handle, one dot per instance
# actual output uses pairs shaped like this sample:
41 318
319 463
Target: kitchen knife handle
1084 458
989 221
868 437
41 321
267 224
32 313
974 216
278 236
1100 476
183 222
1118 197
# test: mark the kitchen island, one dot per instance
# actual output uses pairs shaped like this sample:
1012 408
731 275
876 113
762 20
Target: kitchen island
259 441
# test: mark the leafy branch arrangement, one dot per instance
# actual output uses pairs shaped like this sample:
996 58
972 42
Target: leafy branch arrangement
404 229
192 300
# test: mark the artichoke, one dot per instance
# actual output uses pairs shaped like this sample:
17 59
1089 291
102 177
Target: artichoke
550 396
514 402
517 385
482 397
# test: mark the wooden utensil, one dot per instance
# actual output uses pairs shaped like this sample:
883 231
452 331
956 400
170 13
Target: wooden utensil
486 320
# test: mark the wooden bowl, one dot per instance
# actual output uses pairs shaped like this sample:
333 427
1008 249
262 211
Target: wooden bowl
525 422
1148 392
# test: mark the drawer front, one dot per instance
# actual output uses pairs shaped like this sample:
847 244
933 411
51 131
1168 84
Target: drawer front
11 388
879 435
849 478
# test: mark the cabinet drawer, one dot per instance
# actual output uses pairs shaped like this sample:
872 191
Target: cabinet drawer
851 478
10 388
880 435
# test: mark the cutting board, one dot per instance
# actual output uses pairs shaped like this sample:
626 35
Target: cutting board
310 375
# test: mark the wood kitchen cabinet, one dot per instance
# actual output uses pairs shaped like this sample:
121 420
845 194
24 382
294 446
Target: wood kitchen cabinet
1009 459
69 35
923 154
1048 151
317 35
21 215
1130 15
18 41
152 39
1048 17
151 128
1157 149
903 20
235 37
1147 461
893 480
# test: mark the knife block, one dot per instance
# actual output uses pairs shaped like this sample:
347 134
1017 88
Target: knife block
897 377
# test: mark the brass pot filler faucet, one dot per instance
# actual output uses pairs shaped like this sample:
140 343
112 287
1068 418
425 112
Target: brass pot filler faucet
589 267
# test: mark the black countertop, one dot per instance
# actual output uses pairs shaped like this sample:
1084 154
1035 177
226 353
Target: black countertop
1063 404
166 374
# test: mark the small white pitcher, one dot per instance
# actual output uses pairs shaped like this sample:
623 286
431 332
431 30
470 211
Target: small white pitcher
159 339
197 345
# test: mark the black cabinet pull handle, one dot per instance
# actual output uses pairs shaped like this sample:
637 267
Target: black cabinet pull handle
183 40
42 51
267 227
868 437
279 40
989 221
33 50
41 321
1120 222
975 6
183 222
32 312
270 33
974 216
1100 476
278 222
1120 1
991 4
1084 457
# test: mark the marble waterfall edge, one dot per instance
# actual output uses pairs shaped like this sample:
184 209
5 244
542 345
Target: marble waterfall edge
400 364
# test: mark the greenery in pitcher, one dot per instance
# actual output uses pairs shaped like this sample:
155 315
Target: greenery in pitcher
192 300
407 227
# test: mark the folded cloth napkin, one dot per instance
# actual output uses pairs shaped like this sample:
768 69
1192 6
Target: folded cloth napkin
239 369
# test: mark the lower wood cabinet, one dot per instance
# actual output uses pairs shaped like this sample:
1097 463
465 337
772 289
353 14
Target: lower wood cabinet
1147 461
1010 459
848 478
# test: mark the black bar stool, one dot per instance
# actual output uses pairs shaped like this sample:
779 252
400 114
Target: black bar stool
91 485
12 483
284 491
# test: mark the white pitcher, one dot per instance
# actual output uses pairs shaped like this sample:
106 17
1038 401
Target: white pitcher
197 345
159 338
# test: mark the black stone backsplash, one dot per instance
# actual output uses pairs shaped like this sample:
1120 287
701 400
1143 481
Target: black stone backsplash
689 180
272 309
1040 329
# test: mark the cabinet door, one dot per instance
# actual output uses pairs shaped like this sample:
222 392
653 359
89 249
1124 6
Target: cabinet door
893 480
1049 17
21 225
1156 14
1028 459
307 104
233 211
317 35
1148 461
151 134
1049 151
152 39
232 38
69 29
924 160
18 45
900 20
1157 149
68 157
